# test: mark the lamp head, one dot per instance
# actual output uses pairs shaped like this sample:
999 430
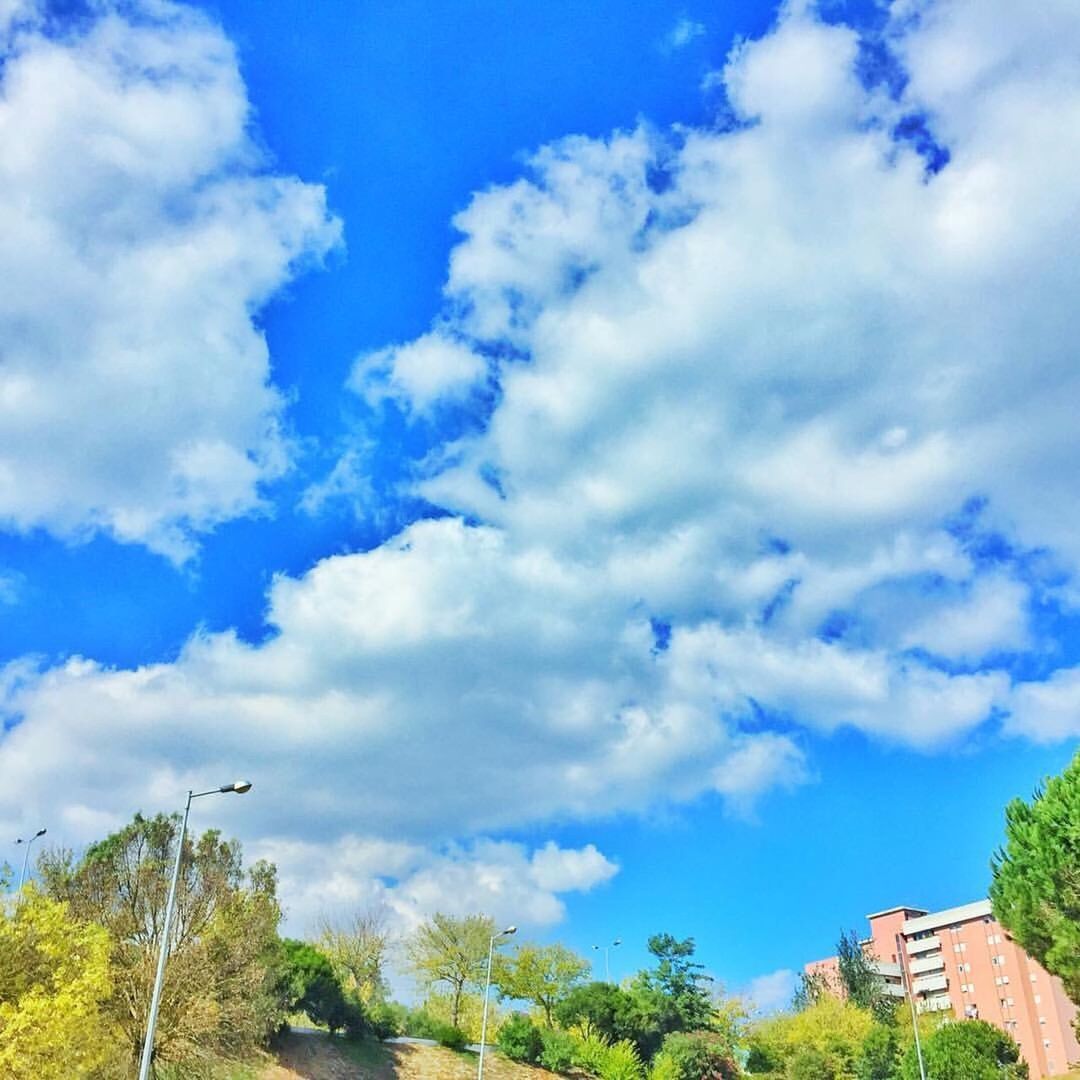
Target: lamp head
508 931
239 786
40 832
617 941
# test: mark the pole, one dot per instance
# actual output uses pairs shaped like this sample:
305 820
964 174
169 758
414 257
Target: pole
483 1023
911 998
163 955
26 857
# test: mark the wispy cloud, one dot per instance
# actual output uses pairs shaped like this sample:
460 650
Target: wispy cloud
682 34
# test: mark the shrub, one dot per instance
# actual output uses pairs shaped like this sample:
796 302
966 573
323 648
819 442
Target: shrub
520 1039
453 1038
419 1024
589 1054
557 1053
387 1019
697 1055
621 1062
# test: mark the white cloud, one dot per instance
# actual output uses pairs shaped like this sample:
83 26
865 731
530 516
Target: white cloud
432 368
1046 711
742 407
139 233
773 992
683 33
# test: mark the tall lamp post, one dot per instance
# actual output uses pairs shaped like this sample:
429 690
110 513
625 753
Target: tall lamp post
607 949
487 987
26 854
239 786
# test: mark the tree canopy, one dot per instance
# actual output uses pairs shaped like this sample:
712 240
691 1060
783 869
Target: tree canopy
541 974
452 951
1036 876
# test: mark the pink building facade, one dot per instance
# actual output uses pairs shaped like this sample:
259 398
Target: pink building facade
961 962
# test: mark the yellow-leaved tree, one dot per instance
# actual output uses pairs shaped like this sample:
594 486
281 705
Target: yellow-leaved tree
54 979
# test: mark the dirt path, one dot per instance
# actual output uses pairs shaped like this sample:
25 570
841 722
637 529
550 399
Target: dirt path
315 1057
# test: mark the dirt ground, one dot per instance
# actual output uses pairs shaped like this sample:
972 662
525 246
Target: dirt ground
315 1057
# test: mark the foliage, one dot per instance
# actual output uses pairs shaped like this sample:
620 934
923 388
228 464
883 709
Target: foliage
470 1013
812 987
387 1019
812 1063
520 1039
453 952
358 950
967 1050
879 1057
621 1061
558 1050
590 1052
680 982
698 1055
309 984
449 1036
1036 876
597 1008
831 1031
54 985
860 980
540 974
219 995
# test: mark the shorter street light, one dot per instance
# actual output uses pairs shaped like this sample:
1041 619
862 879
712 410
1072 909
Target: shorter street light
26 854
239 786
607 949
487 987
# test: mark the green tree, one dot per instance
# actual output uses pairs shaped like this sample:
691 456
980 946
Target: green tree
860 980
879 1057
967 1050
54 988
698 1055
831 1030
541 974
219 993
309 984
453 952
680 982
358 949
1036 876
595 1009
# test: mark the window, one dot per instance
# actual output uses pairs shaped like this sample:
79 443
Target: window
1042 1021
1001 980
994 939
963 967
998 961
1034 977
1038 999
961 947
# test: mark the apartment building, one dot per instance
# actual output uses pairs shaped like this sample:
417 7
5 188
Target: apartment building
962 962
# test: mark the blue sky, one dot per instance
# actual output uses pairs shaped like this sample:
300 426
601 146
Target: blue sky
609 465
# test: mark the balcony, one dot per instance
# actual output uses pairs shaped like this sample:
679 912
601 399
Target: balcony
923 945
940 1003
929 983
928 963
893 990
886 969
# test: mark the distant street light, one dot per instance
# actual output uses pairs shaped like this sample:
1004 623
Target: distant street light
487 987
26 854
240 786
607 949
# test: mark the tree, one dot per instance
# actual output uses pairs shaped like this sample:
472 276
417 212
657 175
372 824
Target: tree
358 950
54 986
698 1055
1036 876
879 1058
595 1009
831 1030
541 974
218 995
310 985
860 979
968 1050
680 982
451 951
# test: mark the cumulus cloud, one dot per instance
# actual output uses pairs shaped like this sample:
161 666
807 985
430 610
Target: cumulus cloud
773 992
1047 711
682 33
748 383
139 234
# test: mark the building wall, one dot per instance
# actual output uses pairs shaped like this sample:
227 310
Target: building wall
962 962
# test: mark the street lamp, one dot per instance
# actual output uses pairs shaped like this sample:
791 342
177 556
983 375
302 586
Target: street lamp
487 987
239 786
607 948
26 854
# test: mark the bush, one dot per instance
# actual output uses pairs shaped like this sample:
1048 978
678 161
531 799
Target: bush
696 1055
520 1039
621 1062
557 1053
419 1023
589 1054
451 1037
387 1019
